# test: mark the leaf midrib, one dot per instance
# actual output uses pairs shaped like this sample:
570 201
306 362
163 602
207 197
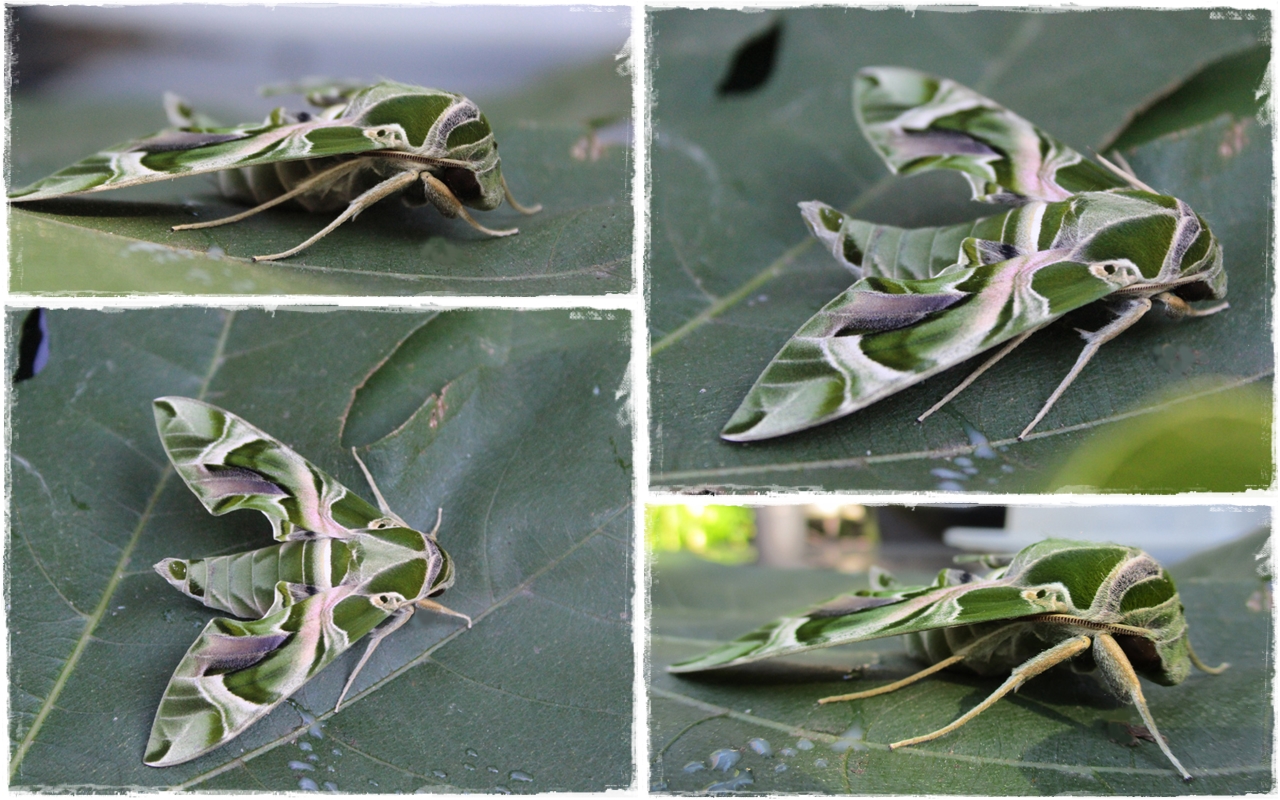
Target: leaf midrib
117 575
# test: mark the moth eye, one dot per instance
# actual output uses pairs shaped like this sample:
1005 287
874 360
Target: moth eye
382 598
304 116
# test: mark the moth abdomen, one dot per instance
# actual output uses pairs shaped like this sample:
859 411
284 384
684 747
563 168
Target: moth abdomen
263 182
244 584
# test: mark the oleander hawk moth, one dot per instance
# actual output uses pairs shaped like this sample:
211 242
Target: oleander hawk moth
364 143
927 299
1098 606
339 569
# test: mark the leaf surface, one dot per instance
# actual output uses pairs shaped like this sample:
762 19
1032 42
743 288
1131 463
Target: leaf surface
1062 733
535 499
734 272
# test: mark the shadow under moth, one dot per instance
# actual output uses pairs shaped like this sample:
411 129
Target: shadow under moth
927 299
1104 607
363 144
340 568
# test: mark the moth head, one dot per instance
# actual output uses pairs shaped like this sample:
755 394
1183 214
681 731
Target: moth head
479 188
1119 272
388 601
389 135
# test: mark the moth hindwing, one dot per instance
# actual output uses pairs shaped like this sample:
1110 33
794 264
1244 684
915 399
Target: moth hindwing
1055 601
364 143
339 568
929 298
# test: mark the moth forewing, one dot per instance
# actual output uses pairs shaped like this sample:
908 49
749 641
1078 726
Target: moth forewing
1057 600
1078 234
428 145
339 569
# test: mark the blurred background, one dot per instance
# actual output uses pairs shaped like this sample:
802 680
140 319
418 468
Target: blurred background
84 77
851 538
222 54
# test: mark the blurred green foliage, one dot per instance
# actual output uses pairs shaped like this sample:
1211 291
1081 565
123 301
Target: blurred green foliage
1219 443
717 533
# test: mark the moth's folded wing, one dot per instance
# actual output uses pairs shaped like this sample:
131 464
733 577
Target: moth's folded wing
175 152
230 464
237 671
875 615
919 122
868 249
881 336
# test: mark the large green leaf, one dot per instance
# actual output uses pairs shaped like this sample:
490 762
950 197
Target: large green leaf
1061 734
526 451
120 241
735 273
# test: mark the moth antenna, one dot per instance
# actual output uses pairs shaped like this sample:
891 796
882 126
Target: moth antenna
533 209
391 185
1125 171
328 175
439 519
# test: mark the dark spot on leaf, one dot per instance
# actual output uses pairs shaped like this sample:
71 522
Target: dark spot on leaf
753 63
33 346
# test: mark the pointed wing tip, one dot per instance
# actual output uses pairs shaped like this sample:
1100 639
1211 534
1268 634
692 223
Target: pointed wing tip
753 425
739 432
160 752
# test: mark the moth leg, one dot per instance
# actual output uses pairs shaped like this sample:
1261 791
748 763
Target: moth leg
954 658
1180 309
533 209
382 501
1119 673
1125 171
319 178
390 186
428 604
1021 674
896 685
397 620
444 200
1093 341
1203 667
973 376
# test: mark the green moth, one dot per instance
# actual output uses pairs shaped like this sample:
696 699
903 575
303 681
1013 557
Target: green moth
340 568
363 144
929 298
1104 605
